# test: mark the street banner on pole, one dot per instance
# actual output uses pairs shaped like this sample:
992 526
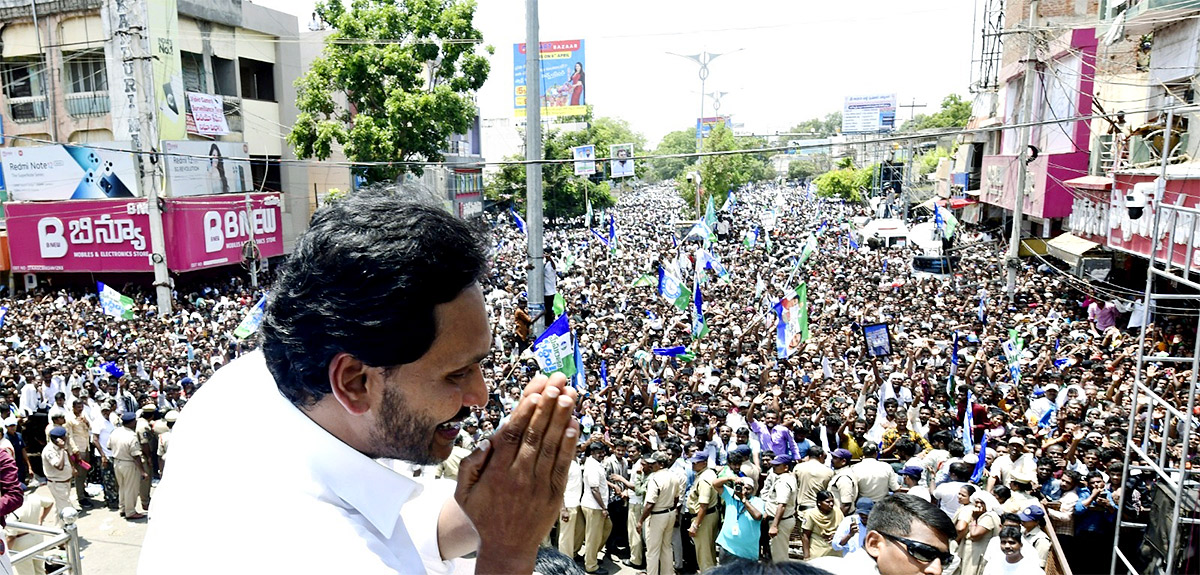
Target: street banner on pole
585 160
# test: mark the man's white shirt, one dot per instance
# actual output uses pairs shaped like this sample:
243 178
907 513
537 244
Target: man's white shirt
307 502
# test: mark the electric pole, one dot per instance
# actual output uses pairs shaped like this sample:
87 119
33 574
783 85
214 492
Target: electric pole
533 170
1013 261
150 165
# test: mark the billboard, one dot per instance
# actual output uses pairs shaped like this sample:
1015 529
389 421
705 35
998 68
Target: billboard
207 115
585 160
564 90
119 20
79 236
873 113
163 17
210 232
620 166
62 172
705 125
198 168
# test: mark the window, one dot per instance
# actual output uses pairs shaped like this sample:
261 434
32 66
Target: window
265 170
23 78
224 77
258 79
24 89
85 71
193 72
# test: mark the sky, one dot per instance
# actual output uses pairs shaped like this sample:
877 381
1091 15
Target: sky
784 61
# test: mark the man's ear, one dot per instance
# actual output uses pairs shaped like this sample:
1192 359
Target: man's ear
349 379
873 544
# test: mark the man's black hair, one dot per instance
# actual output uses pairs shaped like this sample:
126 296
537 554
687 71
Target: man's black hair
961 471
895 515
740 566
364 279
1010 532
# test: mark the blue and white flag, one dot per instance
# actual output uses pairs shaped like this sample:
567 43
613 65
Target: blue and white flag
579 380
603 374
3 314
983 308
699 326
669 351
982 463
113 303
602 239
517 219
1049 419
612 232
1059 362
252 320
968 428
853 244
555 349
710 262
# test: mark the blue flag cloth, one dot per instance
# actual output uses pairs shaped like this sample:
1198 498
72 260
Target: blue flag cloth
602 239
885 265
853 244
603 374
968 428
3 314
1059 362
1048 420
517 219
669 351
112 369
982 463
578 381
982 309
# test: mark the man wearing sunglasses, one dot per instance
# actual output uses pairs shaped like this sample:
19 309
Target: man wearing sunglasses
906 535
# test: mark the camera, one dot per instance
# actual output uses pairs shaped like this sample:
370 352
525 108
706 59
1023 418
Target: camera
1136 198
739 489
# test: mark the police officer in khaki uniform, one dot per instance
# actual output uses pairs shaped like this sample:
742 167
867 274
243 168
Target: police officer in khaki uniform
782 503
702 503
148 439
56 462
658 517
131 470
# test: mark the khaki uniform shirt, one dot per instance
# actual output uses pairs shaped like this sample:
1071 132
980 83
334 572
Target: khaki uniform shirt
56 463
79 433
662 489
702 495
783 491
811 476
844 486
124 444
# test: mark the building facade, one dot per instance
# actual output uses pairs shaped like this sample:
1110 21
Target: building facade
220 92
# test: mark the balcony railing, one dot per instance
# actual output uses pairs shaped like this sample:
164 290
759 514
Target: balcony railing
85 104
1143 16
28 109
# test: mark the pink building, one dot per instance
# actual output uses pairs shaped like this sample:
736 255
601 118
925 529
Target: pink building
1063 89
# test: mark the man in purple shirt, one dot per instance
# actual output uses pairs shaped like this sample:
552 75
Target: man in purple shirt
772 435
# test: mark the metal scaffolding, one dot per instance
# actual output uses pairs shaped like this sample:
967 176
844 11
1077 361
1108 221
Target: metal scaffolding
1175 481
985 68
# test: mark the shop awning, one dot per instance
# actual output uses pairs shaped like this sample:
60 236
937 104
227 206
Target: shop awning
1098 183
1070 248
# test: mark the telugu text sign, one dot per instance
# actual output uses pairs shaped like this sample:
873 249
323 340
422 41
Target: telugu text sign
79 236
871 113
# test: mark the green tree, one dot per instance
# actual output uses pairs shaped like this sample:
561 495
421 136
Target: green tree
395 80
844 182
721 174
830 125
564 195
678 142
955 113
801 169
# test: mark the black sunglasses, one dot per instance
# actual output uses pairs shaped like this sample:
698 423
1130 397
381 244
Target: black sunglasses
922 552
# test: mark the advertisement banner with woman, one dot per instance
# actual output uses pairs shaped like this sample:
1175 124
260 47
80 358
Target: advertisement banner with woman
196 168
563 87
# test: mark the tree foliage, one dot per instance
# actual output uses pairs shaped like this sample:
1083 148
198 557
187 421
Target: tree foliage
802 169
393 83
666 169
564 194
845 182
830 125
955 113
721 174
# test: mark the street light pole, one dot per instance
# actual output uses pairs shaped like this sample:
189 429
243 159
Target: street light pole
704 58
1013 261
535 288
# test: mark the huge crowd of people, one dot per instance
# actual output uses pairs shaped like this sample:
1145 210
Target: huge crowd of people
1009 418
736 450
